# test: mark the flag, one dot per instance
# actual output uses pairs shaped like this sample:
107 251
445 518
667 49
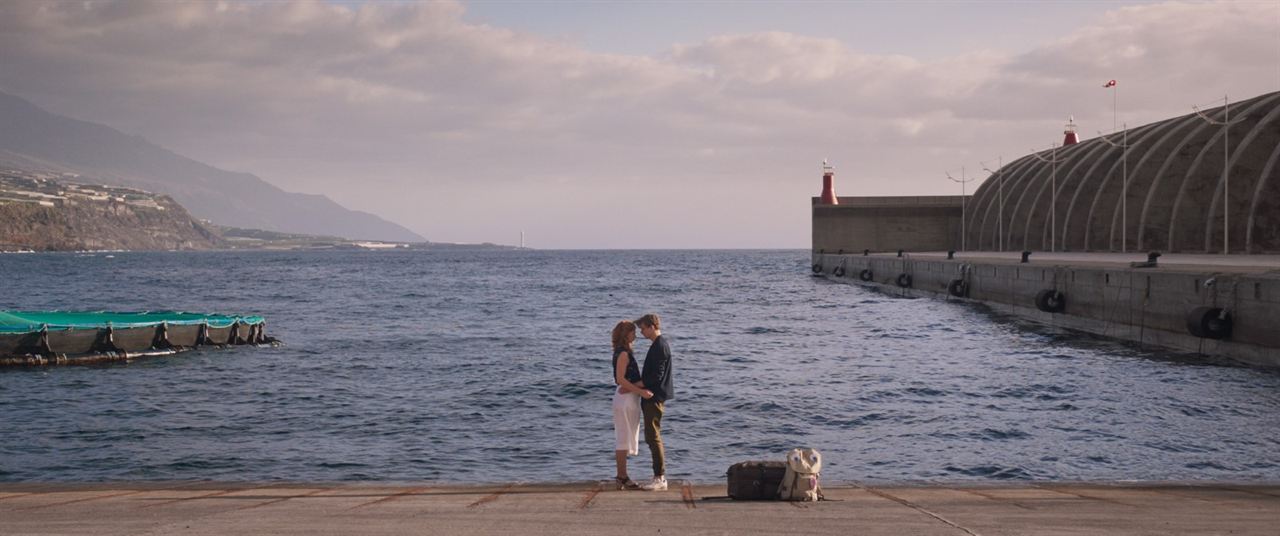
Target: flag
1110 83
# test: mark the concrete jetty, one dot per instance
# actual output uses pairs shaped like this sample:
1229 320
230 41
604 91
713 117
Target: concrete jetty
1026 509
1163 304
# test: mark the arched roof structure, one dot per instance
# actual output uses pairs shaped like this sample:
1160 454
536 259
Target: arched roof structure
1074 198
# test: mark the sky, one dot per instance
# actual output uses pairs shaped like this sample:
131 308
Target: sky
625 125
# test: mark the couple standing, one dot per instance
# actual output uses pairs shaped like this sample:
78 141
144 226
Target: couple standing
640 395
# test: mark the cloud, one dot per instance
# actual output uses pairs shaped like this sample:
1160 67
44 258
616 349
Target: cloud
410 111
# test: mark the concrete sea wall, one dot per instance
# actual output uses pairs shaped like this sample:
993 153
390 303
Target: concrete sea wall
917 223
1150 306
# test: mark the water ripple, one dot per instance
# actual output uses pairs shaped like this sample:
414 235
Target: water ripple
494 366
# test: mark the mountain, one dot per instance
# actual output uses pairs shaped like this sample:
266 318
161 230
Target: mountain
34 139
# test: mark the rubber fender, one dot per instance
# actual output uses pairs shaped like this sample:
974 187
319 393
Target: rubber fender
1051 301
817 268
865 275
1209 322
958 288
904 280
838 272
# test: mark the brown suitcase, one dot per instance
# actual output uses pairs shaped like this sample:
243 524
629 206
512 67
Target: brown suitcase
755 481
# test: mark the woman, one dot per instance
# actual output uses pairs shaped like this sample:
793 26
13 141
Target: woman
626 400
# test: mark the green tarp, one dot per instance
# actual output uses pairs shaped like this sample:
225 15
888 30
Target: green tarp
31 321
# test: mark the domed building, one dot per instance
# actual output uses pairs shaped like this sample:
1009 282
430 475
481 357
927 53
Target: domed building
1075 197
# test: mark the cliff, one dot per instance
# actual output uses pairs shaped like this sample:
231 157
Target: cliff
44 215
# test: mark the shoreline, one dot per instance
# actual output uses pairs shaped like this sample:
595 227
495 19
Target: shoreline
594 508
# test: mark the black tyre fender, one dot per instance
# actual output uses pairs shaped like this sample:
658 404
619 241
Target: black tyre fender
1209 322
958 288
1051 301
817 268
865 275
904 280
838 272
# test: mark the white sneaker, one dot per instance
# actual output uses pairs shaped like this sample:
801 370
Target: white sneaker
659 483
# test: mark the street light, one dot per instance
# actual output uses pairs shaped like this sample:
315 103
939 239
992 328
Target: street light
1226 164
1053 195
962 180
1124 195
1000 196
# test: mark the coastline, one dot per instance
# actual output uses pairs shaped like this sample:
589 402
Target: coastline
594 508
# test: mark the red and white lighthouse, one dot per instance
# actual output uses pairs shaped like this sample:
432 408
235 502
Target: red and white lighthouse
1069 136
828 185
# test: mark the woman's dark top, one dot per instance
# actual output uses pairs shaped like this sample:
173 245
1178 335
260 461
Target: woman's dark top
633 370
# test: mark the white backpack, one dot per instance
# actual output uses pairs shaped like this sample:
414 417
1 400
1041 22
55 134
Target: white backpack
800 483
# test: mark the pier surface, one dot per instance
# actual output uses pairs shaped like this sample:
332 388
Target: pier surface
592 508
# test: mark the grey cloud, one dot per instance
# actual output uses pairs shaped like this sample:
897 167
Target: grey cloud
436 113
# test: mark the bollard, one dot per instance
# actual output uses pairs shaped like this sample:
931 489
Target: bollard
1026 257
1150 262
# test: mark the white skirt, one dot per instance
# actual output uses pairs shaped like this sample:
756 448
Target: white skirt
626 422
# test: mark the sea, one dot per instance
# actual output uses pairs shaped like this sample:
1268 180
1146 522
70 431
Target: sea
459 367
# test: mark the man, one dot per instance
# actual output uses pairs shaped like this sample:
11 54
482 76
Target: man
657 378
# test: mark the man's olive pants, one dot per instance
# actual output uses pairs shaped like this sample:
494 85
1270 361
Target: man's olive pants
652 412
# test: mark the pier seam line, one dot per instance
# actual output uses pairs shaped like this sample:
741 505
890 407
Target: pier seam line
491 497
590 496
997 499
916 507
86 499
391 497
1083 496
171 501
282 499
686 493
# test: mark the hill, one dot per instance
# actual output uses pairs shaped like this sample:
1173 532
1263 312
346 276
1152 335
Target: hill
34 139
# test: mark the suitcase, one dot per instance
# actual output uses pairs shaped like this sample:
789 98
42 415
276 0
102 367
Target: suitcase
755 481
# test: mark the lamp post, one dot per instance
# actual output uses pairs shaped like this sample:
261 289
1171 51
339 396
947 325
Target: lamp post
963 216
1124 189
1000 197
1053 194
1226 165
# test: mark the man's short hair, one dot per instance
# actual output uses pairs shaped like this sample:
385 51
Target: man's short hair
650 320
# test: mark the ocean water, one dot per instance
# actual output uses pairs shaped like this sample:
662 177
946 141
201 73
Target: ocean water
458 367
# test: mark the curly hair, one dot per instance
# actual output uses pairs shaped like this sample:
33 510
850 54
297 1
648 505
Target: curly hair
620 331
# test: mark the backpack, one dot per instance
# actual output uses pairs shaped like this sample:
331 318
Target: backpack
755 481
800 483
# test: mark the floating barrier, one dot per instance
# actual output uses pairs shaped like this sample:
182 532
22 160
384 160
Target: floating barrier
79 337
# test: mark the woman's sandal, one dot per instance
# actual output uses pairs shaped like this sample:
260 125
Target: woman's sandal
625 483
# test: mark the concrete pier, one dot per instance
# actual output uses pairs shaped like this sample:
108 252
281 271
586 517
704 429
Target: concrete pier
590 508
1104 293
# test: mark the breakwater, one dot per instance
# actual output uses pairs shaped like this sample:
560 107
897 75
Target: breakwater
1213 305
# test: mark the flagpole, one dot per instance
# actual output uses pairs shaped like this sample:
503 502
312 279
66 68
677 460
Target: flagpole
1115 88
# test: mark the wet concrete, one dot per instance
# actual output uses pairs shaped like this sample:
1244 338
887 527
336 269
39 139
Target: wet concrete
593 508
